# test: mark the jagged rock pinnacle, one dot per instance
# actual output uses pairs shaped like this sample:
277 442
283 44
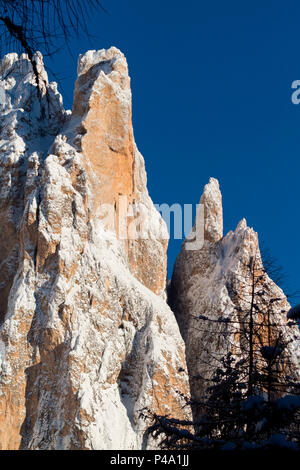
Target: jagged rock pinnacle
213 211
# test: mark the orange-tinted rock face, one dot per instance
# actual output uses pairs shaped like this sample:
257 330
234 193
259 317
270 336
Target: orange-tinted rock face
114 165
107 142
85 341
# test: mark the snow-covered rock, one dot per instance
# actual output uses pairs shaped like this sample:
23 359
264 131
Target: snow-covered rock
211 293
86 337
87 340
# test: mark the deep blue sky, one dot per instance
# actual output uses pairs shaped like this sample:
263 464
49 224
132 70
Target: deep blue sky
211 86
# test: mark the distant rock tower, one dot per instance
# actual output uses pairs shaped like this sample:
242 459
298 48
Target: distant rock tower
210 294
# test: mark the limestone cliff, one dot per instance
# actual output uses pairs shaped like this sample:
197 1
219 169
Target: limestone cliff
86 337
211 296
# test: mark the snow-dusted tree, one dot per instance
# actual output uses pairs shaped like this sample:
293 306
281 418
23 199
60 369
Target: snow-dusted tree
251 400
231 419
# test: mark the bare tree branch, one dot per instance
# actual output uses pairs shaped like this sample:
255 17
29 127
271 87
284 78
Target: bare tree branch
31 25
